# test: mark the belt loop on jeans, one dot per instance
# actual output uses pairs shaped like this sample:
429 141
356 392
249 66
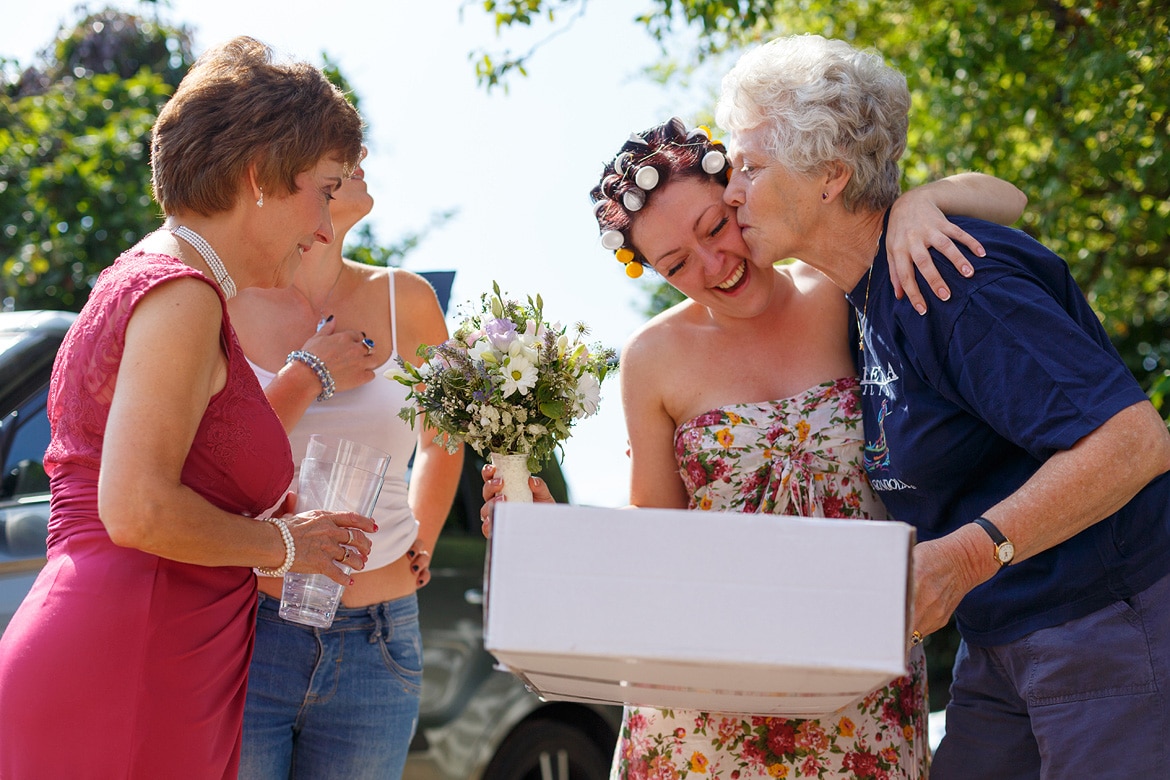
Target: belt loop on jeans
375 613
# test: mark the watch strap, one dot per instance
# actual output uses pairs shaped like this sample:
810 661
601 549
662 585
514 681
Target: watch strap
1005 551
988 526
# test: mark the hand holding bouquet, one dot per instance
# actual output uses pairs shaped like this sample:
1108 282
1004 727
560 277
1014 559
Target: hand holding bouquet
506 382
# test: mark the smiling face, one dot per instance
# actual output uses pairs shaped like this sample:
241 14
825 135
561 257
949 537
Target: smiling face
294 222
777 209
692 239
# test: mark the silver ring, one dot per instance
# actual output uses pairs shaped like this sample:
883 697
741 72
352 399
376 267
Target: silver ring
368 343
350 539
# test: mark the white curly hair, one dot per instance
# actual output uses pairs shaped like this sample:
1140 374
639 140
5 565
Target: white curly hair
822 101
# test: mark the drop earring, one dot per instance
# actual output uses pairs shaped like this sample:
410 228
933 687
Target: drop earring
260 201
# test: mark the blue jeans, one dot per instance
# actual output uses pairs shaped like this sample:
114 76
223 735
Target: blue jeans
338 702
1088 698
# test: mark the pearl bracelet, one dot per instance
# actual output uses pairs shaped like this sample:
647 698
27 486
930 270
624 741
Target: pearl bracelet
319 368
290 549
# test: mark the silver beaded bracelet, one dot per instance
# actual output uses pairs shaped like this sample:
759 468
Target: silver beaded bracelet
290 549
319 368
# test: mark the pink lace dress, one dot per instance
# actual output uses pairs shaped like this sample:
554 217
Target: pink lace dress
120 663
800 455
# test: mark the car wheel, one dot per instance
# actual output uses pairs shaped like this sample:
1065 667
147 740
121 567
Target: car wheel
548 750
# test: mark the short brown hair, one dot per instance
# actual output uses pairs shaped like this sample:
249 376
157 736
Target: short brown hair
237 107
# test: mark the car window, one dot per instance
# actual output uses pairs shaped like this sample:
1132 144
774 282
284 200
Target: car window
25 435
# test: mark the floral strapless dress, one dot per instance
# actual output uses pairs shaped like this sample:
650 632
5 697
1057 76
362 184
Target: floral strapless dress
797 456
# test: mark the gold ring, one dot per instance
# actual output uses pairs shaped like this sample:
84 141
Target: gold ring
915 638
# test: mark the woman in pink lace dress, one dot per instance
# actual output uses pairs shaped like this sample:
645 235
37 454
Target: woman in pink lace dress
129 656
744 398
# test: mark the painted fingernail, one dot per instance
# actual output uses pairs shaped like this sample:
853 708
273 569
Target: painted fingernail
920 308
944 294
414 568
410 553
968 270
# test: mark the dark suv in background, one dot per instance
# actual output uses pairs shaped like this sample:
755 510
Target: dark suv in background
28 345
475 723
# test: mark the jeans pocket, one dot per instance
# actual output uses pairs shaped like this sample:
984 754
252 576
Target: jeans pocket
402 653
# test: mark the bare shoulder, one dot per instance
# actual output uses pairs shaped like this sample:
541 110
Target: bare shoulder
418 314
415 296
805 277
813 285
185 297
414 288
658 341
187 306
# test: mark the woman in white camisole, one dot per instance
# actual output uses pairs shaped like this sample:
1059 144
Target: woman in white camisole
343 701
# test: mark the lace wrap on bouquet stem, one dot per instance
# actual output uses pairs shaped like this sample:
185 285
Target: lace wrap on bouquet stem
513 469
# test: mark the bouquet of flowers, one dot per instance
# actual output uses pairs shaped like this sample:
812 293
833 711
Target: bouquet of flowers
506 382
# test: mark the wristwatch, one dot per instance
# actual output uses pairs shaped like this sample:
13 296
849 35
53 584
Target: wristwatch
1005 551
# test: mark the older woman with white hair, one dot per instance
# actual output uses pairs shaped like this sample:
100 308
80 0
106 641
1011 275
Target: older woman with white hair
1001 424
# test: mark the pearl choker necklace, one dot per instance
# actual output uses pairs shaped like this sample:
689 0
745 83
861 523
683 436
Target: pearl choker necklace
222 277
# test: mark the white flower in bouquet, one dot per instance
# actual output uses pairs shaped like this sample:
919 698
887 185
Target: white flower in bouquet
588 396
506 381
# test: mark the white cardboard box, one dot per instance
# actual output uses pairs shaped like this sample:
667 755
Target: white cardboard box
716 611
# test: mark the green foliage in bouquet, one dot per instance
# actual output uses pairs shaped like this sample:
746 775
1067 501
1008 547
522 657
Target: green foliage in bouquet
506 381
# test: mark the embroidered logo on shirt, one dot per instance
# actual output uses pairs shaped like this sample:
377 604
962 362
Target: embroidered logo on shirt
877 380
877 453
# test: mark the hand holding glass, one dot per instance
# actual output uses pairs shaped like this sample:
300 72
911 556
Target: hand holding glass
336 475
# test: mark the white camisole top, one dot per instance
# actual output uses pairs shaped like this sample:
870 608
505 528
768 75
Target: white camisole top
369 415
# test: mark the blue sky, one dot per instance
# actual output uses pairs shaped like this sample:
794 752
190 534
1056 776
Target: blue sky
517 166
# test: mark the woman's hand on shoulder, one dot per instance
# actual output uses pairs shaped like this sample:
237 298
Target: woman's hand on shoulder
918 222
916 226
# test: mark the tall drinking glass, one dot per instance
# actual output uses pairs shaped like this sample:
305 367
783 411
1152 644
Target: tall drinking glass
340 476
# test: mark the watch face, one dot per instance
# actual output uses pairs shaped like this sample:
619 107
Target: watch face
1005 552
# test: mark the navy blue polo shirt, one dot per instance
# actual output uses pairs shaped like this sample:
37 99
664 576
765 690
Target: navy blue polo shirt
964 404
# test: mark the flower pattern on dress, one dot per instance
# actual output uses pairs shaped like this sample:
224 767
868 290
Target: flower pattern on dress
798 456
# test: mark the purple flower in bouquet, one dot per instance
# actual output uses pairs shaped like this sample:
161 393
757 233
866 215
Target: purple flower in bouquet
506 382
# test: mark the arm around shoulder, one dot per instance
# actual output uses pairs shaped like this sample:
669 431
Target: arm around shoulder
918 222
979 195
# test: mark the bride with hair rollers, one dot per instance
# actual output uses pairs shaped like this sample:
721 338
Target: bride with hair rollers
744 398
